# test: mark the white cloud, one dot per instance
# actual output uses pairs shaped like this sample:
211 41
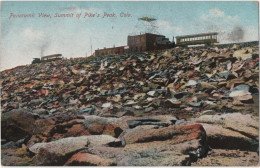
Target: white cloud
34 39
33 34
216 15
230 28
216 12
169 27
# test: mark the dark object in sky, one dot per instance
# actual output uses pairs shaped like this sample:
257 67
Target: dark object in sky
147 19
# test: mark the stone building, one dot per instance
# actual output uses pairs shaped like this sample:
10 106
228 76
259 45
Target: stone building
148 42
110 51
138 43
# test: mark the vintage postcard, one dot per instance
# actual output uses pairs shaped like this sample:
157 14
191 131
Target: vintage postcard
129 83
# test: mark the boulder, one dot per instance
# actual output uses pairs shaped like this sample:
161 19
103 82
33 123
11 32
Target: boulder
101 125
172 103
231 131
12 144
77 130
16 157
40 111
241 87
224 157
107 105
52 129
114 126
67 145
86 159
153 153
160 120
238 93
191 83
207 87
161 153
226 75
57 152
36 102
242 95
222 138
17 124
243 54
152 145
149 133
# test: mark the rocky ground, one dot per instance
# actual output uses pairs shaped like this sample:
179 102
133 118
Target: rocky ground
177 107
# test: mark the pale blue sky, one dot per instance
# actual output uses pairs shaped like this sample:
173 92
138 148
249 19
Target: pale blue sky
24 38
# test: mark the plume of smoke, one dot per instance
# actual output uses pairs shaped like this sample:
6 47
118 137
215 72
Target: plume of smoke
43 46
237 34
36 40
229 35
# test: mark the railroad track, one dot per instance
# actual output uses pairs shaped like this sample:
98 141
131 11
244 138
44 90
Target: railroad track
242 44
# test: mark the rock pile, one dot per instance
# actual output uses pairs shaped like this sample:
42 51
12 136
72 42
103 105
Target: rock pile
183 106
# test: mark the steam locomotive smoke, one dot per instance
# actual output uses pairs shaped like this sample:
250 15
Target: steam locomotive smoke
237 34
43 47
229 34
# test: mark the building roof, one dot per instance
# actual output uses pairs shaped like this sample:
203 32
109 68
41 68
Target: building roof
109 48
146 34
53 55
195 35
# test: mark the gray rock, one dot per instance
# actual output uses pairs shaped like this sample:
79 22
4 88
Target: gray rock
238 93
12 144
242 95
241 87
65 146
40 111
155 120
227 75
9 145
223 157
191 83
207 87
36 102
17 124
243 54
231 131
154 153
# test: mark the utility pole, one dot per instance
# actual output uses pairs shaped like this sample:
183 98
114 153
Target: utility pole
90 46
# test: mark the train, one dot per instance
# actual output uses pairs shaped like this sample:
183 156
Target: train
195 39
146 42
47 58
